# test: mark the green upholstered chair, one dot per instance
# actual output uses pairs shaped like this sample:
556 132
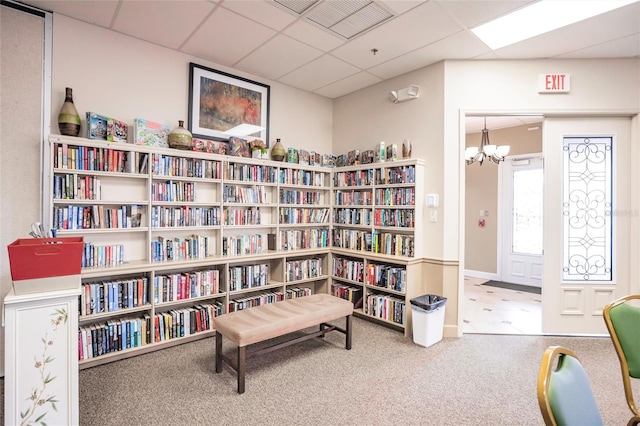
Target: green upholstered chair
622 318
564 391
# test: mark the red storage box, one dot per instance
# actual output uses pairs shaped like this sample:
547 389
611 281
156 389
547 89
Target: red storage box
32 258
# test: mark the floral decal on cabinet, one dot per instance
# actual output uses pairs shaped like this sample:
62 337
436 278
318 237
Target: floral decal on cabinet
39 399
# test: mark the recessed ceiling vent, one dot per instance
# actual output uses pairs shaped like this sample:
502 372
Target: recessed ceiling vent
348 18
297 6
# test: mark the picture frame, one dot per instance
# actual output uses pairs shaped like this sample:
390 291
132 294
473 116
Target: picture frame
219 102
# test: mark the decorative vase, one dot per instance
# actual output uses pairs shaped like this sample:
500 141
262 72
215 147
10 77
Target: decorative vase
180 138
278 153
68 118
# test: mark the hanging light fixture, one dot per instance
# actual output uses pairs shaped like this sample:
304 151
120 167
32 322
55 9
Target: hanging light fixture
486 150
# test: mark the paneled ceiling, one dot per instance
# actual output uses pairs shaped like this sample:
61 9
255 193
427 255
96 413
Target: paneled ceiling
319 51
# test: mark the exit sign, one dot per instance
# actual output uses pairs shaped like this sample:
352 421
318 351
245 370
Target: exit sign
554 83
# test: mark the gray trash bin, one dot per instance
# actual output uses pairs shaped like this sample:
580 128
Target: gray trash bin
427 313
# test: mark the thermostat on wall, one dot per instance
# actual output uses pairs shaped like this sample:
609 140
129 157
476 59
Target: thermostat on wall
432 200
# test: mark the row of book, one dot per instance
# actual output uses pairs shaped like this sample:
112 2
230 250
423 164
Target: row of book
353 198
395 197
351 239
175 249
246 216
353 178
178 323
404 218
250 173
113 336
167 165
288 196
393 244
248 276
289 215
386 308
350 293
302 269
102 255
346 268
162 217
248 195
295 292
302 177
347 216
186 285
94 159
255 300
391 277
97 216
76 187
297 239
112 296
173 191
238 245
395 175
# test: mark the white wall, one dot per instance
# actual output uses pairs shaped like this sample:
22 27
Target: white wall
125 78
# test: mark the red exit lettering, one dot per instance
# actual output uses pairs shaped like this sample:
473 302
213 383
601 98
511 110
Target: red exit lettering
550 83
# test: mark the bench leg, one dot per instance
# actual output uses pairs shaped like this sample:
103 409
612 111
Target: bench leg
218 352
242 363
322 326
348 333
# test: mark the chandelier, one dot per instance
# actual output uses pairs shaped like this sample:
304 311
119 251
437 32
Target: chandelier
486 150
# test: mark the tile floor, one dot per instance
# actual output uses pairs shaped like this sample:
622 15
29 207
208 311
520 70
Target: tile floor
494 310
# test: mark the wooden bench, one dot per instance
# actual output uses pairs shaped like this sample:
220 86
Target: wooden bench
264 322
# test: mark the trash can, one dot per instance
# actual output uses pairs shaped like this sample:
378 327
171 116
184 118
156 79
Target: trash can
428 319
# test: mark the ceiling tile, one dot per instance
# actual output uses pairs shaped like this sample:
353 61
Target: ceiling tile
462 45
224 25
265 13
347 85
473 13
94 12
277 57
318 73
165 23
399 7
626 47
314 36
425 24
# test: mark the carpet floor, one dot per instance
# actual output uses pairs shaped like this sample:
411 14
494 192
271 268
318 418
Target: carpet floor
385 379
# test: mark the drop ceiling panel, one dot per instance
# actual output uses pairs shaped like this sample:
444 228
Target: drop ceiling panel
398 7
319 73
277 57
425 24
350 84
166 23
314 36
265 13
626 47
462 45
94 12
473 13
224 39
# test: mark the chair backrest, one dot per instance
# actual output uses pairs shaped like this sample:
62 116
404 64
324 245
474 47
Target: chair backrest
623 322
564 391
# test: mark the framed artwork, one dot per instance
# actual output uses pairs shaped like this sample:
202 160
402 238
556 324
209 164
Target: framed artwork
219 103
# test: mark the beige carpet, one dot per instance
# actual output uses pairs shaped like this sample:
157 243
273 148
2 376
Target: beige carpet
384 380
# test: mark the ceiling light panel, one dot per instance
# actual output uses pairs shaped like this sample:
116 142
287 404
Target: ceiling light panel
297 6
348 18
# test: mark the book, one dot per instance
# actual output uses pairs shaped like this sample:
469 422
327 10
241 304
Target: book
147 132
367 157
303 157
292 155
96 126
341 160
328 160
353 157
117 131
239 147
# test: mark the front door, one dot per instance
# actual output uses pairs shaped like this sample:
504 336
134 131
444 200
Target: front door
587 207
522 226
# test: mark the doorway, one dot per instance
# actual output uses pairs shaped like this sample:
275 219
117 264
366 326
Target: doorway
488 305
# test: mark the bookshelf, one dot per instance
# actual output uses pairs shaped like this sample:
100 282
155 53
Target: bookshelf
377 242
182 237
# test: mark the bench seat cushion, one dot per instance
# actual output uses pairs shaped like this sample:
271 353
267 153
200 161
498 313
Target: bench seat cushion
264 322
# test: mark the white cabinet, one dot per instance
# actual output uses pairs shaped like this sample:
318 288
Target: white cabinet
41 358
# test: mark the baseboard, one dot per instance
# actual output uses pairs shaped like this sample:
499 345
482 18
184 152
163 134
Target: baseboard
481 274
